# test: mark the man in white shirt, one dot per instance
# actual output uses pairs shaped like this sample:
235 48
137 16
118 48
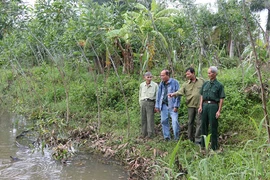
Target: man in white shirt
147 97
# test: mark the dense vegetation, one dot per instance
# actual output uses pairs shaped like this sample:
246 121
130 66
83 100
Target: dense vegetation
74 69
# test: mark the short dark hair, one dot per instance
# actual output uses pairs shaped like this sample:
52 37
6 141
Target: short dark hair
191 69
167 72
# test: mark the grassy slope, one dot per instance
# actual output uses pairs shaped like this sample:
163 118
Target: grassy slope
39 93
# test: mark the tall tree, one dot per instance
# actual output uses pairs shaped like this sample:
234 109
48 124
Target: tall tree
11 13
259 73
260 5
231 24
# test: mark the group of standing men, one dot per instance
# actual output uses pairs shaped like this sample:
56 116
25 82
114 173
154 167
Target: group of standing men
204 101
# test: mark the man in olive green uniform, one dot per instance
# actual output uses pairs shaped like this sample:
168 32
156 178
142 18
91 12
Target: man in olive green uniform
147 96
191 90
212 96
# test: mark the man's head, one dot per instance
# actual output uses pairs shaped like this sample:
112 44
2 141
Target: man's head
165 75
148 77
212 72
190 73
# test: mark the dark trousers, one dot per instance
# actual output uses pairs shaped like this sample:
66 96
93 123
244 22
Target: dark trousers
209 118
147 118
194 129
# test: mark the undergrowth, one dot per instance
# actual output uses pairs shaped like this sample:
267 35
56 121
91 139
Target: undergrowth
40 94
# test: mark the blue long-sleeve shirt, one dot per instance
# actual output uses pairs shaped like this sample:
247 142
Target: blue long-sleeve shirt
173 102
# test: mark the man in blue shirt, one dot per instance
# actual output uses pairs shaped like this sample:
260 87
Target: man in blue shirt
168 106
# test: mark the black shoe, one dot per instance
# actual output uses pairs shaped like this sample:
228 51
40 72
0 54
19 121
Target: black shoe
167 139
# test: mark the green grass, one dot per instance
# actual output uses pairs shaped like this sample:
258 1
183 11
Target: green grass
40 95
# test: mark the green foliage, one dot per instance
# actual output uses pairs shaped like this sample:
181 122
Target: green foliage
64 56
245 163
258 127
173 155
207 140
229 62
234 110
34 90
10 12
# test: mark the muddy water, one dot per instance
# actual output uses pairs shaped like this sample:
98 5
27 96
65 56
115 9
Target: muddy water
33 164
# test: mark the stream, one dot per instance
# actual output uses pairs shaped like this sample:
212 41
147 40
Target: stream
32 164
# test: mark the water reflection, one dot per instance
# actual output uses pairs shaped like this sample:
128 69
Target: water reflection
36 165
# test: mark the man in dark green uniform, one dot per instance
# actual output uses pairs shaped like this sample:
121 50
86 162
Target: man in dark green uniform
212 97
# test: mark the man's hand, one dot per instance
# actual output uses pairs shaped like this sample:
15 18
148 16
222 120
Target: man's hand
156 110
200 110
171 95
217 114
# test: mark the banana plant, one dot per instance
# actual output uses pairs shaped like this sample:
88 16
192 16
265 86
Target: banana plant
143 30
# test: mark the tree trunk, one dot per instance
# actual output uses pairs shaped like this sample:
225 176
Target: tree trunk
130 58
267 31
231 52
200 60
99 65
127 57
258 71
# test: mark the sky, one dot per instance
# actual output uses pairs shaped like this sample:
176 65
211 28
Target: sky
262 14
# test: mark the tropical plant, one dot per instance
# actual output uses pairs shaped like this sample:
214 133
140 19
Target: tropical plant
145 28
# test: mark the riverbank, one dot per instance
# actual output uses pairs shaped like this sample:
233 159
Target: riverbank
22 156
95 114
